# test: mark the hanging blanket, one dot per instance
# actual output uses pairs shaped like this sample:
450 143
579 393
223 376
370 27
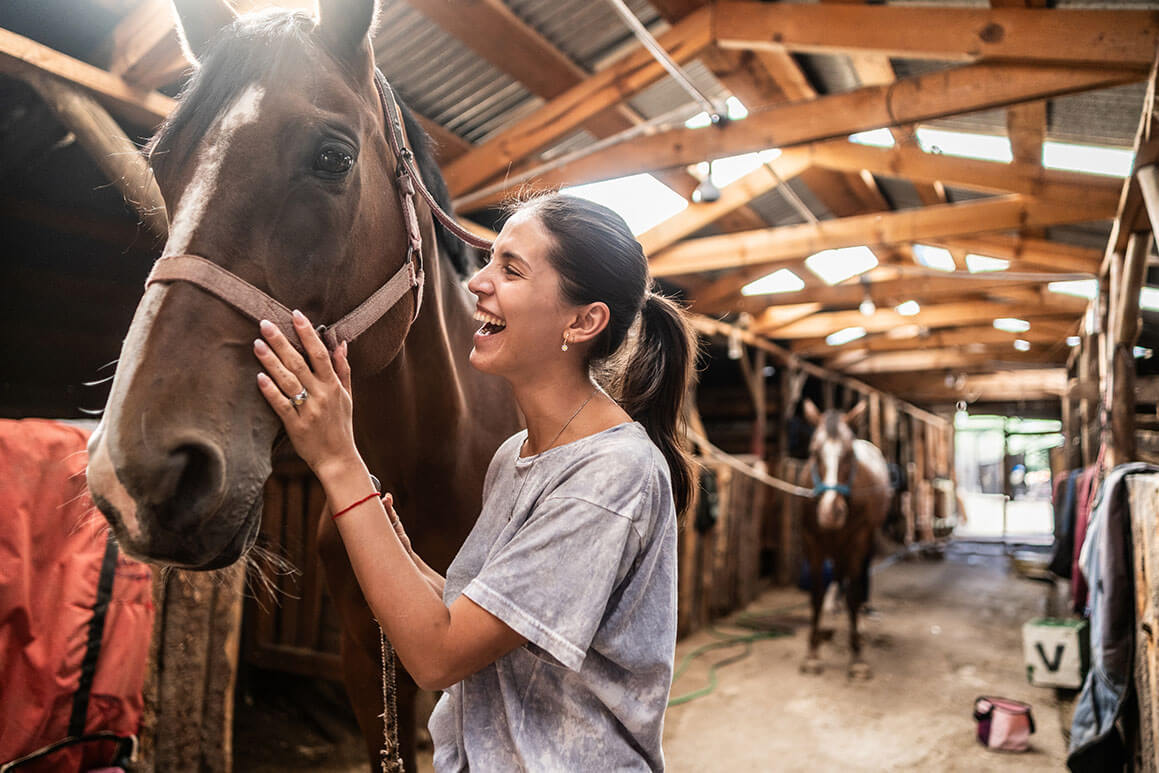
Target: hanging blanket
75 616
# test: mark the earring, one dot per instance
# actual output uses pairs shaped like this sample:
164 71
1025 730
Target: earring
564 347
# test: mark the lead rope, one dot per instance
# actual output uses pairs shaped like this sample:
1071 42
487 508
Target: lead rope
391 753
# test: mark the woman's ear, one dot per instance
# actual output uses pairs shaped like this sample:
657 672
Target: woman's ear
589 322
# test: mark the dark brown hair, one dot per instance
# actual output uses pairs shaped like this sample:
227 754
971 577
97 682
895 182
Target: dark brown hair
648 372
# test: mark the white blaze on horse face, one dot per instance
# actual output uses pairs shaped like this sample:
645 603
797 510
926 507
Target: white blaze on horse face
831 456
189 211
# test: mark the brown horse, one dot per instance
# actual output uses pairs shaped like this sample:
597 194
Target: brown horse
276 166
851 494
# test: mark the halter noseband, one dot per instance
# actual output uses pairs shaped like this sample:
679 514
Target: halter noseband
258 304
843 489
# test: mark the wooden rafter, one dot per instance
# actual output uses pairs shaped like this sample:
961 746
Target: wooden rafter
1014 385
1024 252
907 101
141 107
774 246
944 315
912 163
561 115
1100 37
935 339
940 359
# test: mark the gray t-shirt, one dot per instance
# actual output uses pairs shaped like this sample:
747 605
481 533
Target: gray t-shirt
575 549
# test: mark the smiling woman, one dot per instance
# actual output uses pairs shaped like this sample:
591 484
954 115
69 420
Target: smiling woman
560 608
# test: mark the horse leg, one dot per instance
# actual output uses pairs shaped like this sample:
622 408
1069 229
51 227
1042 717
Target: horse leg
857 584
812 663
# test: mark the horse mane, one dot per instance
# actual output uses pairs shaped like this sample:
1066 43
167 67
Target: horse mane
240 55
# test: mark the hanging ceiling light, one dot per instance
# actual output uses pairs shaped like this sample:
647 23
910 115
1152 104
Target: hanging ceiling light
867 307
706 192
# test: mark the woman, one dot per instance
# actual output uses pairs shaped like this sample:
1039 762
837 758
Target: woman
553 632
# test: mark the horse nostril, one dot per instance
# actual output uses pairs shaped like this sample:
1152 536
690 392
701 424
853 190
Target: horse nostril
196 473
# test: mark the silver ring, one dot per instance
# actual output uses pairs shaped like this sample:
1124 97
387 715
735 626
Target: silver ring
300 398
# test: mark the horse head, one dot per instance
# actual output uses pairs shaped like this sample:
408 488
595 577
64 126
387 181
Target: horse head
832 461
274 166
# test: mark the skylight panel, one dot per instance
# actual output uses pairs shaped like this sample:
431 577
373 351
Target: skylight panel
834 266
844 336
908 309
1021 344
977 264
731 168
1011 325
641 199
877 138
782 281
1073 341
984 147
1149 299
1080 288
934 257
1092 159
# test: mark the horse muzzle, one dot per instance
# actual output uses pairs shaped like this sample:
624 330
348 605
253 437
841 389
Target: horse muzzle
173 506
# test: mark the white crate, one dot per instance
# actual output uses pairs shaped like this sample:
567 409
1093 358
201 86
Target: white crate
1056 652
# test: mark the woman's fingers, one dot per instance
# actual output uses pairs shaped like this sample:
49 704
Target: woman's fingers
316 350
282 378
285 352
276 398
342 366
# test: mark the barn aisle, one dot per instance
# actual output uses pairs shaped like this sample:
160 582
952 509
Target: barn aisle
944 632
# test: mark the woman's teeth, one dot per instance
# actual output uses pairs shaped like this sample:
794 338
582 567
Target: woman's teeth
491 323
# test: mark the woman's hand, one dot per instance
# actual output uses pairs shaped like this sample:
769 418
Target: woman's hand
311 396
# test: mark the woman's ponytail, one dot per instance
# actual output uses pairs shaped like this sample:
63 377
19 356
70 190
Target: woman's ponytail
653 381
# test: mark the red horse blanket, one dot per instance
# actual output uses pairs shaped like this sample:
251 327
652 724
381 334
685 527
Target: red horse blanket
73 638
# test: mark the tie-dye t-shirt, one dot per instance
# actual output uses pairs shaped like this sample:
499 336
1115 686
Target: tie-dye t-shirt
575 549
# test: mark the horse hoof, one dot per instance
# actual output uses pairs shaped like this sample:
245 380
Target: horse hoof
860 671
812 666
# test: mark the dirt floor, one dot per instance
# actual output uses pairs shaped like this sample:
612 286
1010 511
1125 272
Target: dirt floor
942 632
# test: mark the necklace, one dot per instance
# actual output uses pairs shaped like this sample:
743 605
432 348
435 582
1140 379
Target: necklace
567 423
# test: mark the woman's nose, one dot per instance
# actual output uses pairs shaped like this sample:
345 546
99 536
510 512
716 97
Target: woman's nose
479 284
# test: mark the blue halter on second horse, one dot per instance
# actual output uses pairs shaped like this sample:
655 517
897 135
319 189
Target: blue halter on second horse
843 489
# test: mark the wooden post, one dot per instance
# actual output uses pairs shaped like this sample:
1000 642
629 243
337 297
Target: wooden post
828 394
875 421
188 722
112 150
1125 329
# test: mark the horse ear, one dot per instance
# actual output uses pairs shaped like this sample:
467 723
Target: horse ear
855 412
812 414
344 24
198 21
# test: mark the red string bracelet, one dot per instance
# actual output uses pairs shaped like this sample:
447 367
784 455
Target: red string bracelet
348 508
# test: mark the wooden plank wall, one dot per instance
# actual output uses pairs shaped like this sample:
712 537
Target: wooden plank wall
1144 493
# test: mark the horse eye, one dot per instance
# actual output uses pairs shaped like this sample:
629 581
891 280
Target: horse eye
334 161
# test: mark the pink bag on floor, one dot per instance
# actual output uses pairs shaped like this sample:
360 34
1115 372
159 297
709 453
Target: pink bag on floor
1003 724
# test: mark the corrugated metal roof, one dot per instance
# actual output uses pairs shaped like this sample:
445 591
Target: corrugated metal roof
585 31
443 79
900 193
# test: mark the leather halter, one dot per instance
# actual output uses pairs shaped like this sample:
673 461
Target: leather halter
258 304
843 489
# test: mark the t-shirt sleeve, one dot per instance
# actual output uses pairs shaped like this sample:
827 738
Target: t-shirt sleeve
551 583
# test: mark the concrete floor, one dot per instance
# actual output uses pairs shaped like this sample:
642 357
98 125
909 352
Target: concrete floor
943 632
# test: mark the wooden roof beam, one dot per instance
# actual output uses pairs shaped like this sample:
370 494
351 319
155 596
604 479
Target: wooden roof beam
1013 385
941 359
1076 37
569 110
141 107
908 101
935 339
775 246
944 315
